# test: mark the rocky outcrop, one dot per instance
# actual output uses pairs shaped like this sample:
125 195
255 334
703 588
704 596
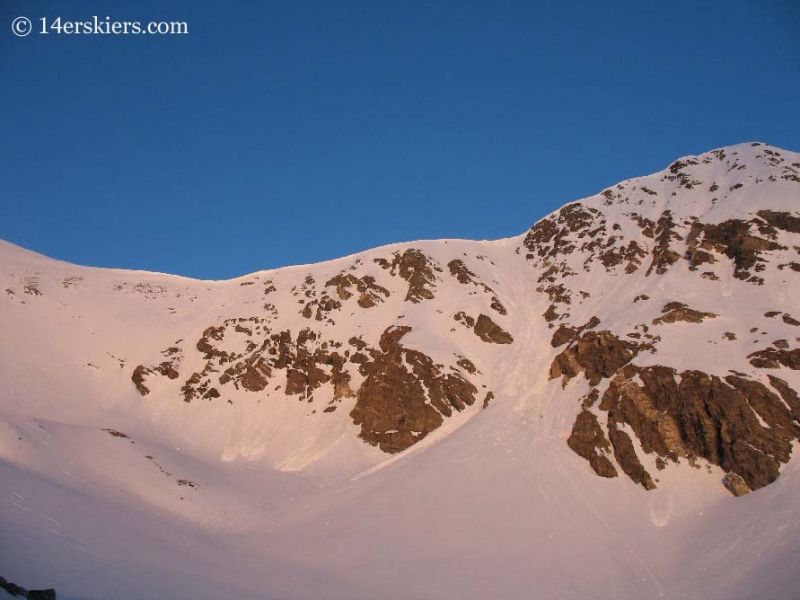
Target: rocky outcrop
781 220
417 269
588 440
736 485
743 242
736 423
774 358
406 395
463 275
167 368
490 332
664 256
695 415
565 333
595 354
625 455
461 272
676 311
369 292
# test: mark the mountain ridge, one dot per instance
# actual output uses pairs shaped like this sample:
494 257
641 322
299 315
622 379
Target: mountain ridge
645 334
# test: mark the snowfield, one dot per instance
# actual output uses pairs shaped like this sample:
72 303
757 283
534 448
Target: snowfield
331 468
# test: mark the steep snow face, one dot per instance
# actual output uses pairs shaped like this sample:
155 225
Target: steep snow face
429 419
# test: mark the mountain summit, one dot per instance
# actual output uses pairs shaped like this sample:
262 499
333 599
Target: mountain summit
563 413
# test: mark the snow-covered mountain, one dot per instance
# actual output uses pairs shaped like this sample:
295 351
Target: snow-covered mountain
568 413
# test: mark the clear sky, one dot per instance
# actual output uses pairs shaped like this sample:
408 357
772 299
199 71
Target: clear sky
279 133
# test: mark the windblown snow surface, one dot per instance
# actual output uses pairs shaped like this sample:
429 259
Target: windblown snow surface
109 492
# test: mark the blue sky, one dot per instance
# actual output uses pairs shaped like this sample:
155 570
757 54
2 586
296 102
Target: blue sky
279 133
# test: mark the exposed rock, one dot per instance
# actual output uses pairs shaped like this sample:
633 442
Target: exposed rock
417 269
496 305
358 343
773 358
630 254
676 312
405 395
550 314
790 320
669 306
464 318
597 355
117 434
370 293
488 331
138 378
463 275
588 440
566 333
788 395
781 220
459 270
663 255
735 484
467 365
563 335
696 415
550 236
625 455
204 343
734 239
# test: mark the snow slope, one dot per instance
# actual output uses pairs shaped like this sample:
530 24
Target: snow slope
342 456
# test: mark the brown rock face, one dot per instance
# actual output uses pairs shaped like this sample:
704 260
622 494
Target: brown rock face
589 441
694 415
490 332
549 237
781 220
461 272
735 484
566 333
736 240
417 269
597 355
166 368
463 275
370 293
663 254
138 379
788 394
682 313
736 423
405 395
625 454
773 358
